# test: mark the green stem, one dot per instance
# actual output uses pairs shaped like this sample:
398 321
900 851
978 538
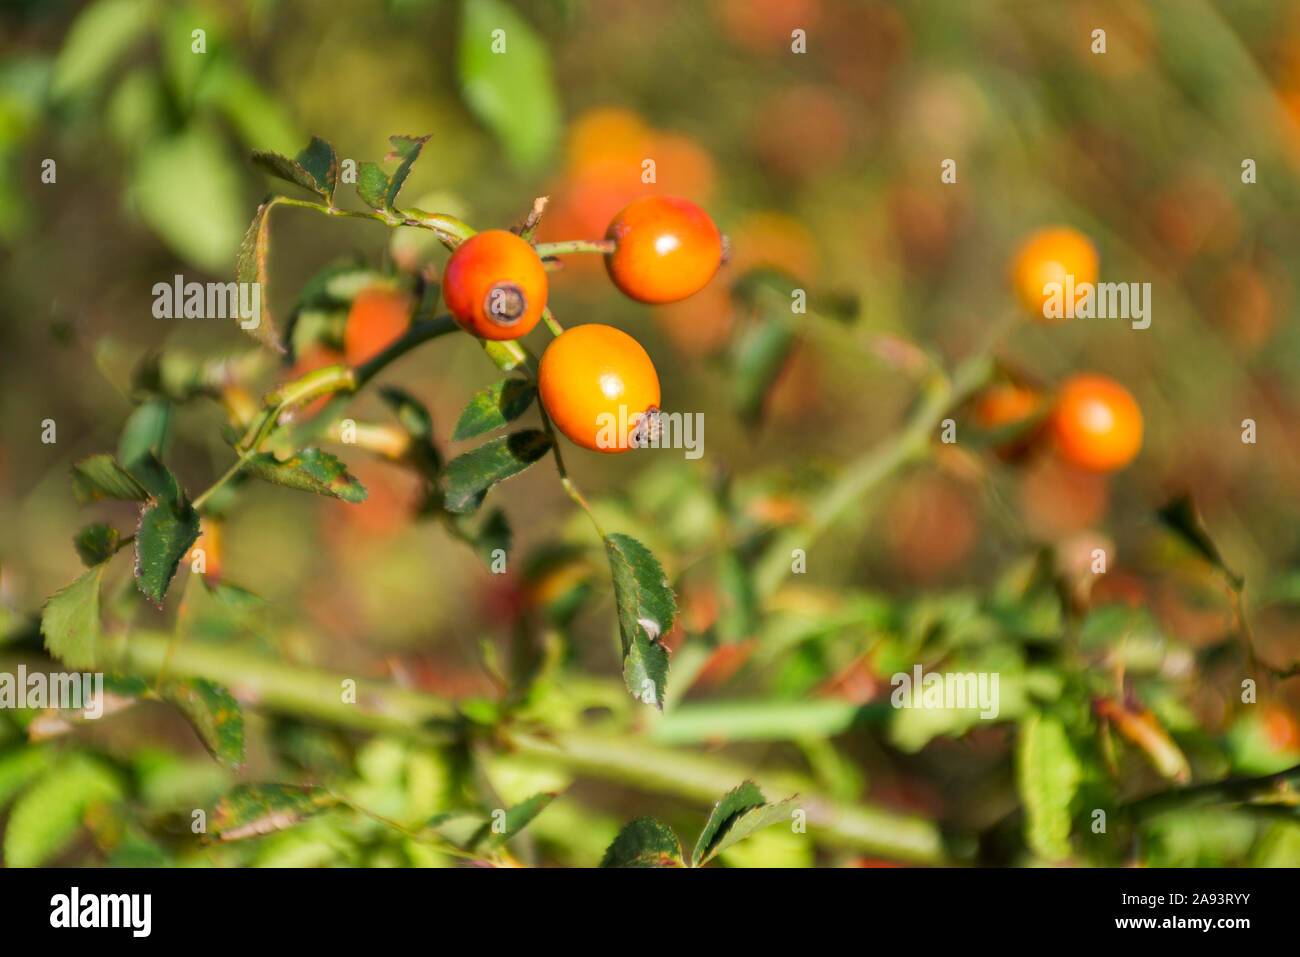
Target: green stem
419 332
265 683
621 758
704 778
569 246
1218 792
551 322
451 231
565 481
870 469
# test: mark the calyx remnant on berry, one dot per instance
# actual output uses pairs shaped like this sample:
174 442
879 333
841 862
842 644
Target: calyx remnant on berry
505 302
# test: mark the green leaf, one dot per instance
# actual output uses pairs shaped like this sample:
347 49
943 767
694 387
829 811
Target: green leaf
214 714
255 115
145 433
165 534
18 767
646 610
191 193
47 815
758 356
100 35
311 470
372 186
493 407
253 809
410 411
315 169
322 164
740 813
407 149
289 170
1180 515
508 354
515 820
493 534
1048 774
644 843
513 92
157 479
734 803
97 543
70 621
250 266
469 476
99 477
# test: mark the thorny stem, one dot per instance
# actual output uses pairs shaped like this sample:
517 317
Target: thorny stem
569 246
451 231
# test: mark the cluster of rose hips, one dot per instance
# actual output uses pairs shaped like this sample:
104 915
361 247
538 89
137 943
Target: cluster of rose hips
1094 422
495 287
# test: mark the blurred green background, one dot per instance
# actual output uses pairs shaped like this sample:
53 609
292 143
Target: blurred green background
820 166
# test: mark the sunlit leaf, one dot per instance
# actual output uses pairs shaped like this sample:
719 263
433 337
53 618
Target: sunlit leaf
311 470
96 544
215 715
70 621
469 476
497 832
163 537
512 90
254 809
498 404
646 609
740 813
644 843
1048 774
46 817
100 476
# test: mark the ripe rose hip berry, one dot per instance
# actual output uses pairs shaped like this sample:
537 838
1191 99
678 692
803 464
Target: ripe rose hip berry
668 248
377 318
596 381
495 285
1096 423
1011 408
1049 256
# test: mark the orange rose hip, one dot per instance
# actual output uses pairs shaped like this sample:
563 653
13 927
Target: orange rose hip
594 381
667 249
495 285
1050 256
1096 423
377 318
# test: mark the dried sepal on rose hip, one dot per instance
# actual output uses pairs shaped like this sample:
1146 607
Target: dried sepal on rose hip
666 249
599 387
495 285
